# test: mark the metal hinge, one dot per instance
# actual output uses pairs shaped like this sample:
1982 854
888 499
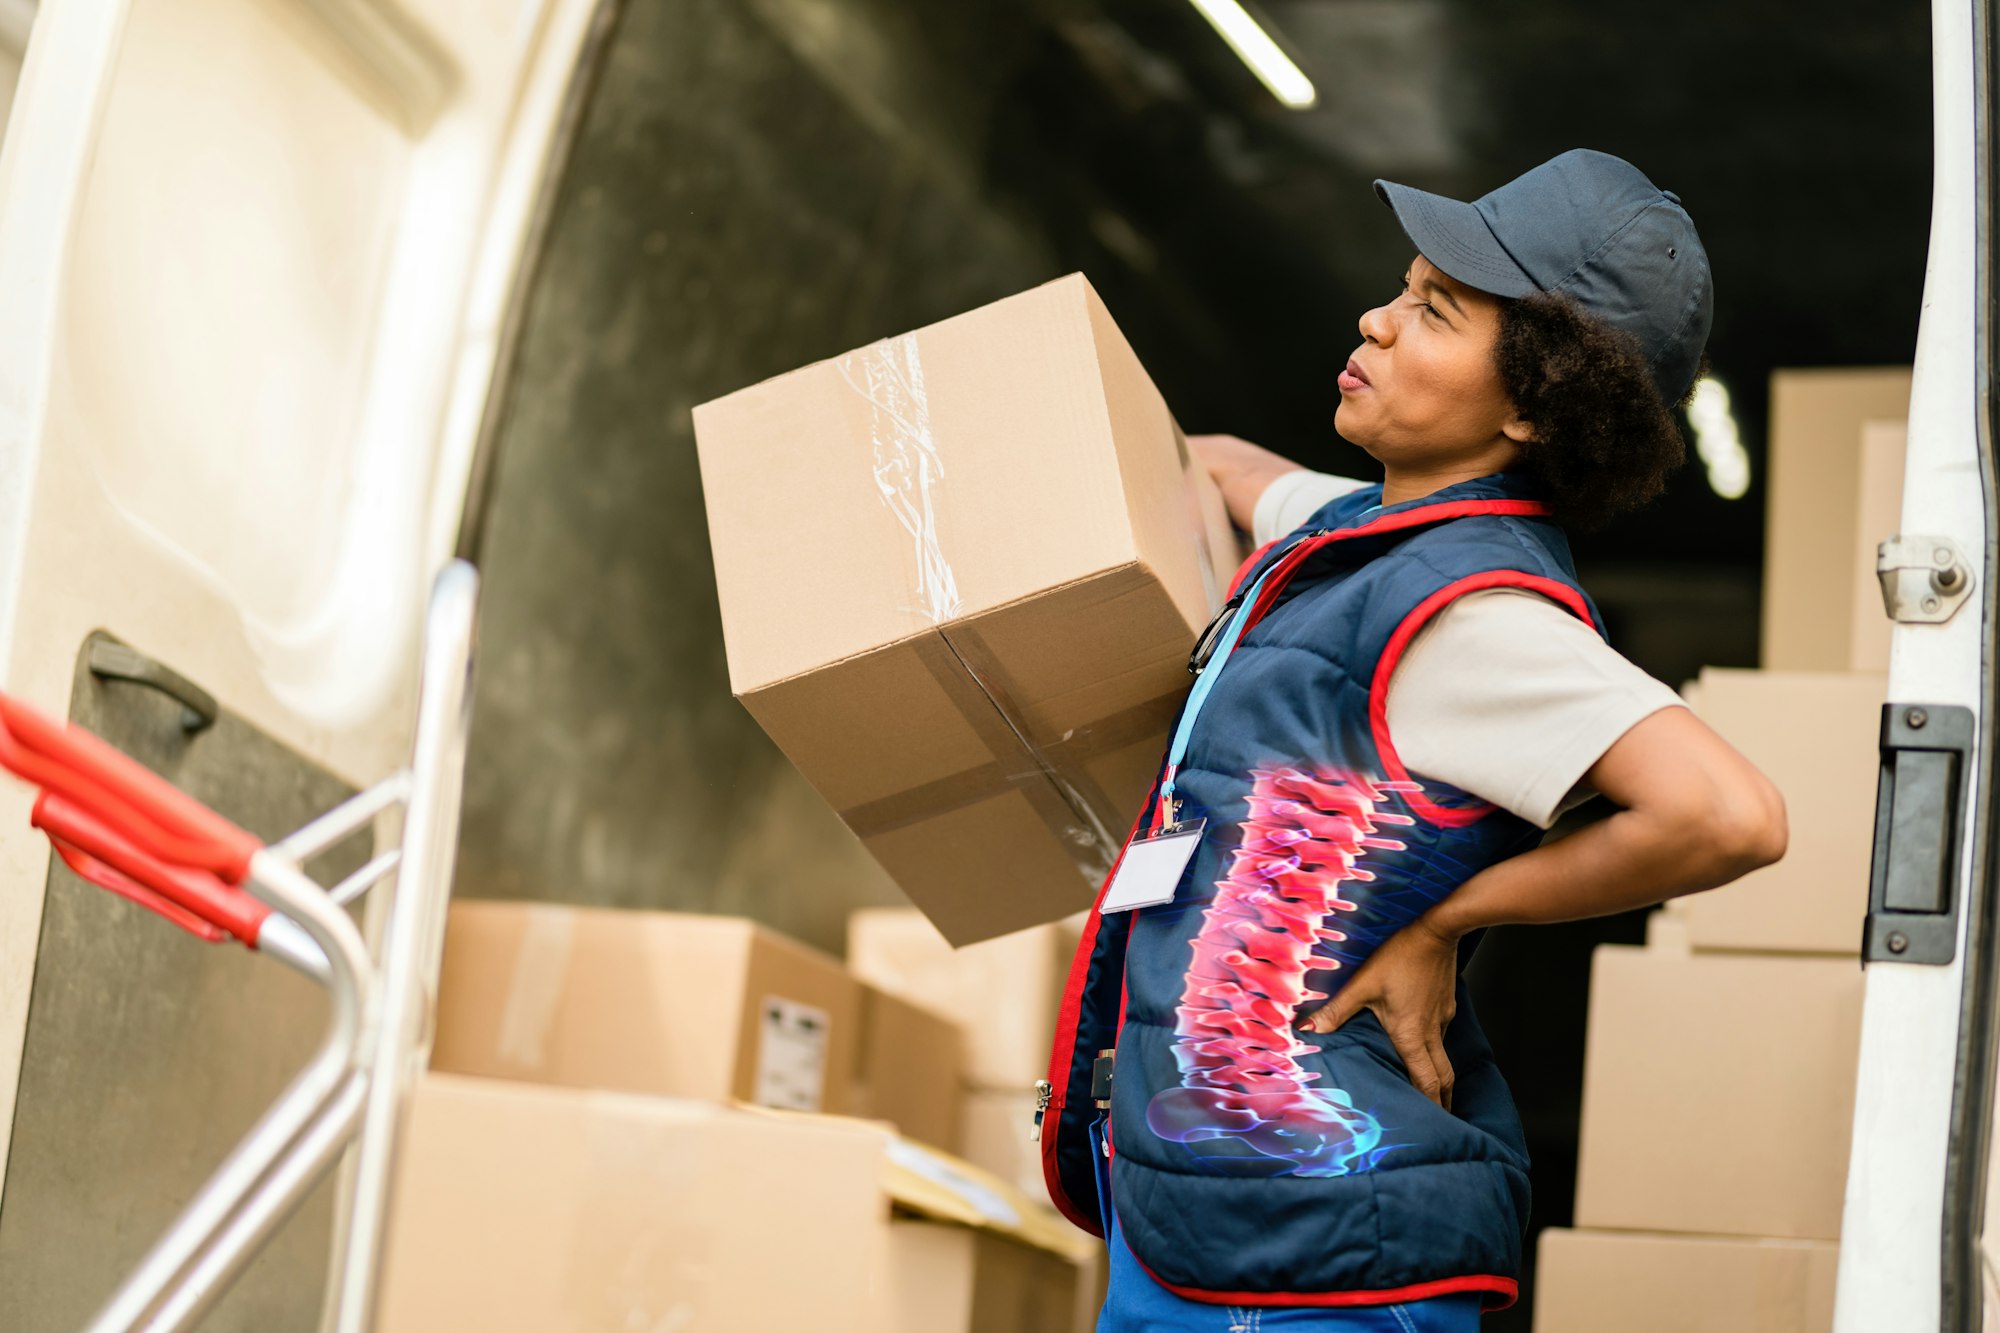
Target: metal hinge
1924 579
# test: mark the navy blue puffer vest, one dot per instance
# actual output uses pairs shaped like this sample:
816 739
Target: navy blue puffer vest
1253 1164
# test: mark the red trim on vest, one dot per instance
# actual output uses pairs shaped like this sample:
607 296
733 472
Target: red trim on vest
1378 691
1064 1049
1505 1287
1236 582
1408 518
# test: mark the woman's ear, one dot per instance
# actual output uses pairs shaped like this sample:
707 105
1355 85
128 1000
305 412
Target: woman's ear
1518 429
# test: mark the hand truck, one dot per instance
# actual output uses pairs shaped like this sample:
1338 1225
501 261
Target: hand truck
124 829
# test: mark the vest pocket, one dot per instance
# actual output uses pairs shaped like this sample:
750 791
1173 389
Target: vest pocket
1364 1065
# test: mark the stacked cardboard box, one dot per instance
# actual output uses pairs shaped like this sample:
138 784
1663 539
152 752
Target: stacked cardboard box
1814 734
655 1002
525 1209
535 1208
978 1283
1638 1282
1721 1059
683 1005
1835 490
595 1132
1718 1092
910 1068
960 571
1003 993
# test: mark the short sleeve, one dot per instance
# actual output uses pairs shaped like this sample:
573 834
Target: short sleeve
1291 498
1508 696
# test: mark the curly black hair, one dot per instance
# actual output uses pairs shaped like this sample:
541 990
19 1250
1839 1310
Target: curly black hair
1604 440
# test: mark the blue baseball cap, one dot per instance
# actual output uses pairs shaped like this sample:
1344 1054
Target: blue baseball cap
1589 226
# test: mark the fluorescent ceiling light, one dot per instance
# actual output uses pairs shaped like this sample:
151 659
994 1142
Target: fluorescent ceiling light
1273 68
1717 441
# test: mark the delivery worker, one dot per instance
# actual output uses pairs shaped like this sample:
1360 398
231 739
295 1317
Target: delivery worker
1302 1124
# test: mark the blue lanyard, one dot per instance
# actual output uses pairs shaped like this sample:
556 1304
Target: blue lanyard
1206 680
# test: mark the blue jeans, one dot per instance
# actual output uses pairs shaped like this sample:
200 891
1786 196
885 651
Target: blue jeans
1136 1303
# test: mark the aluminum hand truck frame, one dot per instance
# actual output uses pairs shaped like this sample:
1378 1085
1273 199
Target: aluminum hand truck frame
125 829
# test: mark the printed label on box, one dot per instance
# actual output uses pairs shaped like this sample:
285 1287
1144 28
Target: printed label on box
791 1055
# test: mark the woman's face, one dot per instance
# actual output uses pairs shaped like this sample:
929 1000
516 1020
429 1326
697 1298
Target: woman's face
1422 390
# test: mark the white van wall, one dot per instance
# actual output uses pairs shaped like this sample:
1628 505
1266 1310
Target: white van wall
255 264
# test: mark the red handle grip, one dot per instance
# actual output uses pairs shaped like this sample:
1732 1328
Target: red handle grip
197 892
104 877
166 823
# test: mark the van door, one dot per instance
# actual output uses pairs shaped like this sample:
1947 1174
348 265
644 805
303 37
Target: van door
1910 1239
258 262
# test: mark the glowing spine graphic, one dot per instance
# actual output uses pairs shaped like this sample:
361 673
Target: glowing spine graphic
1237 1050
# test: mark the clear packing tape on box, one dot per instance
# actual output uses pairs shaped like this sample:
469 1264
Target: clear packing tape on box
1050 773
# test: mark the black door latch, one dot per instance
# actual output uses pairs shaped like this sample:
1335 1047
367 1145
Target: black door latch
1919 824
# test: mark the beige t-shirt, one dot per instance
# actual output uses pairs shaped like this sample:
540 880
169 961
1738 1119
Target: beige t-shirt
1504 693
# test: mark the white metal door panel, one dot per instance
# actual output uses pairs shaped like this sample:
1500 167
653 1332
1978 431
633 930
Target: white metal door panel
1890 1248
17 17
255 261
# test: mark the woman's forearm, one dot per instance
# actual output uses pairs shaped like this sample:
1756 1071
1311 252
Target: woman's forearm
1241 470
1693 814
1627 861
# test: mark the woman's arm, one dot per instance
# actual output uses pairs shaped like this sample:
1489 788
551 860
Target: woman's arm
1696 814
1241 471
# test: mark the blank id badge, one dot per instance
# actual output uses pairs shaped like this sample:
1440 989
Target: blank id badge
1152 867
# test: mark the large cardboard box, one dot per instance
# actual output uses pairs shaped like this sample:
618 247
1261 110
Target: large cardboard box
988 1258
1834 492
1718 1092
962 1280
659 1002
1666 926
525 1209
997 1134
1815 735
532 1209
1003 992
960 572
911 1069
1639 1282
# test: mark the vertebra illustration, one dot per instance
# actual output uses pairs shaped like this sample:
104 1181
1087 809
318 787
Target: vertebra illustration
1237 1050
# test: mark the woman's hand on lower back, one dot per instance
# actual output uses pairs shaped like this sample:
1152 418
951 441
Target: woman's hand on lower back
1410 984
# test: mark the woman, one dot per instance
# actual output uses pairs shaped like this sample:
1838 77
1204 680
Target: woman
1405 692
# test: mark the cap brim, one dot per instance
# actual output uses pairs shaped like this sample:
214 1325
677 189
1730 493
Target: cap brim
1452 235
